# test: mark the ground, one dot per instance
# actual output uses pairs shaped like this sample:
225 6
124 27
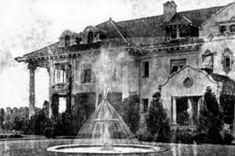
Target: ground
38 148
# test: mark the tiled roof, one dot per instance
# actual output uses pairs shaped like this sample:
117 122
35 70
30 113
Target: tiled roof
153 26
143 27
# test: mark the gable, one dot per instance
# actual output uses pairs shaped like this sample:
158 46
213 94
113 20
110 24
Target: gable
225 15
188 81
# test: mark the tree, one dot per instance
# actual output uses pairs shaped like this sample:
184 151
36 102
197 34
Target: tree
2 114
130 112
157 121
211 118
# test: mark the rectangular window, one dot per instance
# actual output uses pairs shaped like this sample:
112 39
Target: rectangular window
145 103
184 31
60 76
86 75
176 65
145 69
227 62
194 32
187 110
173 33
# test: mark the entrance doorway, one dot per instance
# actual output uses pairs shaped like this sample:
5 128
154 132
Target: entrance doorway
187 110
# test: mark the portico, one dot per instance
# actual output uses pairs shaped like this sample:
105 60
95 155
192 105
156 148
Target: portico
182 94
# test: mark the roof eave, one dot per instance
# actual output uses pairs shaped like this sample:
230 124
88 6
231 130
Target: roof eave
21 59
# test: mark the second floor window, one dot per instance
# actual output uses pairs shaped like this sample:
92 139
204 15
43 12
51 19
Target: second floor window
227 60
208 60
145 69
86 75
176 65
60 76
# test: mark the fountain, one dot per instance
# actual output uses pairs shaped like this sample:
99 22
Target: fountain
105 132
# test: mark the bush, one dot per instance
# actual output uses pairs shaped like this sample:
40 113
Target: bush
157 121
187 135
130 112
144 135
49 132
210 123
226 134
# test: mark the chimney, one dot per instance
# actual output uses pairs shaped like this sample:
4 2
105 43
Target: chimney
169 10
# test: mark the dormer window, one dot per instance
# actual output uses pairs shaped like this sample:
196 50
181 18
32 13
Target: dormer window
194 32
90 38
173 32
102 36
78 40
232 28
183 31
67 41
223 29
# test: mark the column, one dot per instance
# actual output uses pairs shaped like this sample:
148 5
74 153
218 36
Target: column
234 123
51 79
174 110
177 31
31 67
190 111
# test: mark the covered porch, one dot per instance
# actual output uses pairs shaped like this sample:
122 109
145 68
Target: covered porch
182 95
59 68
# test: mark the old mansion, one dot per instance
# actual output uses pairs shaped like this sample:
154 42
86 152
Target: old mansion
179 54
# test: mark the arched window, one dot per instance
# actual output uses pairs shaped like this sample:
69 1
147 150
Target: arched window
223 29
90 37
67 41
232 28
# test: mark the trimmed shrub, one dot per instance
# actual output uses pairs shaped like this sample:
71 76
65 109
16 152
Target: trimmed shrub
49 132
130 112
210 123
157 121
144 135
187 135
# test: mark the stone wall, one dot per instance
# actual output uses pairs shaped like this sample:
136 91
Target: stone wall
159 71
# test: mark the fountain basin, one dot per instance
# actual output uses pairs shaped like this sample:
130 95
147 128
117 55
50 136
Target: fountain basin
117 149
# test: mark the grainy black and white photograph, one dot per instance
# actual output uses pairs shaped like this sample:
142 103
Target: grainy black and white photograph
117 78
